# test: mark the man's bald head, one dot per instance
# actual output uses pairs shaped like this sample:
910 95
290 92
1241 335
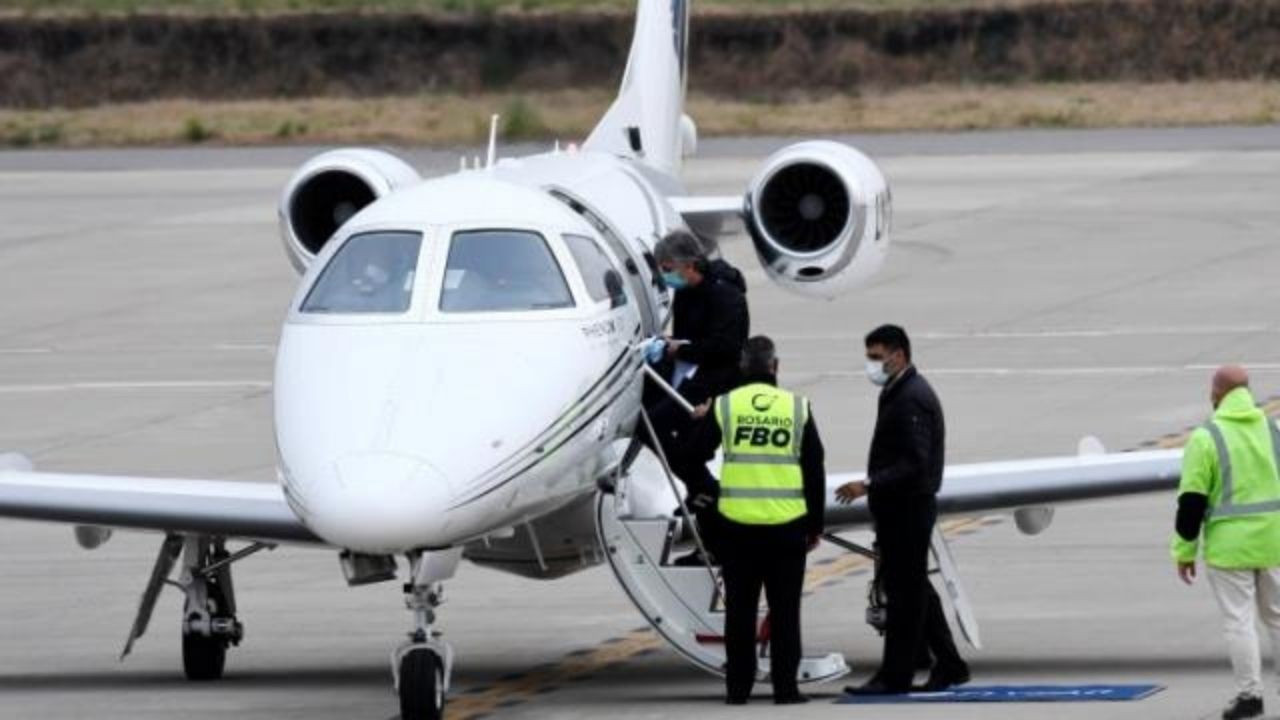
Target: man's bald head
1226 379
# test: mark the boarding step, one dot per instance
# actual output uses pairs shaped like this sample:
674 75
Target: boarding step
682 603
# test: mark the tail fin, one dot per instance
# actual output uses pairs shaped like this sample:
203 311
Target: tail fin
644 121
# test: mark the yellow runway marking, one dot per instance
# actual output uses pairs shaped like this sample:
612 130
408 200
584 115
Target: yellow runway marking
482 701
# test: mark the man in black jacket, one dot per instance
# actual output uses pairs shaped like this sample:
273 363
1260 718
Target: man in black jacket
709 330
709 318
904 474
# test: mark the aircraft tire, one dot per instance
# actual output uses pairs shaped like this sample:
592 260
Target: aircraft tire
203 658
421 686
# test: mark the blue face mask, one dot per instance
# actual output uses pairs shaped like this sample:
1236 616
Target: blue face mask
674 280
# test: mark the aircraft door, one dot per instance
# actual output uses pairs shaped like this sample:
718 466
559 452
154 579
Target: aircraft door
635 267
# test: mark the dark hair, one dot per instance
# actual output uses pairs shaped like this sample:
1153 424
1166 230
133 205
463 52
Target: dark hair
679 246
892 338
758 356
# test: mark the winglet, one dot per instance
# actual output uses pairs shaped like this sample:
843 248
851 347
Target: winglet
16 462
1089 446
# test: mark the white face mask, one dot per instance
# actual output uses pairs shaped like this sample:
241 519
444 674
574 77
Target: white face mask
876 373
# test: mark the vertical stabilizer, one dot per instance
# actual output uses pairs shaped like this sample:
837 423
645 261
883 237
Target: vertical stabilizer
644 121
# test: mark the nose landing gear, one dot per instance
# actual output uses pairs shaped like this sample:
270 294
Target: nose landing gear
423 667
422 684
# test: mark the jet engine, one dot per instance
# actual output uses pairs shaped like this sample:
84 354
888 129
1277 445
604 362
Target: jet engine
819 214
328 190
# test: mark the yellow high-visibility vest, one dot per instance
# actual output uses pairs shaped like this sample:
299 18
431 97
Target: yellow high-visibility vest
761 482
1234 460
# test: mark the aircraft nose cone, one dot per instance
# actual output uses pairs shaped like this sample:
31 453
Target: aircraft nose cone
380 503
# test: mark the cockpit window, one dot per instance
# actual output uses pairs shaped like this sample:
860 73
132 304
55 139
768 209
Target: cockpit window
371 273
601 277
502 271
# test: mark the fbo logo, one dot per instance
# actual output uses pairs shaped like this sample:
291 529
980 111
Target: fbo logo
761 436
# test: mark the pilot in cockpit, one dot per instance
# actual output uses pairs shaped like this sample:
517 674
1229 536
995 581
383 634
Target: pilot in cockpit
372 279
371 273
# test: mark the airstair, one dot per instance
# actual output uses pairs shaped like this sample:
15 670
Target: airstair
641 536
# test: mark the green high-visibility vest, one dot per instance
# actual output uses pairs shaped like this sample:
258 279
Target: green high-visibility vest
761 482
1234 460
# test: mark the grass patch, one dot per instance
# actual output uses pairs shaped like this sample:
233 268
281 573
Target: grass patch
521 120
195 131
290 129
31 132
446 119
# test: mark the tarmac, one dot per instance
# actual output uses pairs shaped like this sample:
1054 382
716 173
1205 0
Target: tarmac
1056 284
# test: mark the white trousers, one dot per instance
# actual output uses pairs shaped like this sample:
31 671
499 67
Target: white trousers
1245 596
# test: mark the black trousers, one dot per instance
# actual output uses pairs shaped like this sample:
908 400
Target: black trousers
672 425
915 621
771 557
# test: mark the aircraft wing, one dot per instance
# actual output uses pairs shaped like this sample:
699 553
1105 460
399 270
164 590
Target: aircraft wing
1012 485
252 511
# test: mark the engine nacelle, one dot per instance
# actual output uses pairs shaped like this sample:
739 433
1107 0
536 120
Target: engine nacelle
328 190
819 214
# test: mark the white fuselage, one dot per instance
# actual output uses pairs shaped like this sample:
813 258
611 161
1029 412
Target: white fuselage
453 418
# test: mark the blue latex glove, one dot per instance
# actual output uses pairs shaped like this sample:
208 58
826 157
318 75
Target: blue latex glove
654 350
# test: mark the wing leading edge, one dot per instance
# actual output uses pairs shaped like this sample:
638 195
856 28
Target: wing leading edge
1010 485
256 511
259 511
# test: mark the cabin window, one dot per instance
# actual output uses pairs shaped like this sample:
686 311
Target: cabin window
598 273
370 273
502 271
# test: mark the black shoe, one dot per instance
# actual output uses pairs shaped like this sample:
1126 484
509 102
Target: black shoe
875 686
791 699
943 678
1243 706
736 700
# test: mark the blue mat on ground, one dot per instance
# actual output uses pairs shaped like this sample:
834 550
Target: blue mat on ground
1013 693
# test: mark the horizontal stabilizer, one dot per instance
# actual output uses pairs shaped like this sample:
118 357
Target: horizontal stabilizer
711 216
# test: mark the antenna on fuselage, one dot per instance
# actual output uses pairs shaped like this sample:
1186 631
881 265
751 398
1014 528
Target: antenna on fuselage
493 140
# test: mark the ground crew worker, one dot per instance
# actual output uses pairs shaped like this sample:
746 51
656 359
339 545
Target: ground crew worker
904 474
771 498
1230 489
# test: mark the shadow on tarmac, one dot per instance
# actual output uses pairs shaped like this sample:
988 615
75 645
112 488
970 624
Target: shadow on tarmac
126 680
640 682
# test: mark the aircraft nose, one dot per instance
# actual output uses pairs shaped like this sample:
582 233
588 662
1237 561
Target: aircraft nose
380 503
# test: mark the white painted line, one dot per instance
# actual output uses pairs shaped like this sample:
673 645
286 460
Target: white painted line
25 351
138 385
1059 334
1058 371
245 347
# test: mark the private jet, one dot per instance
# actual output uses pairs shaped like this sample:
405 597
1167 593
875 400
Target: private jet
460 372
